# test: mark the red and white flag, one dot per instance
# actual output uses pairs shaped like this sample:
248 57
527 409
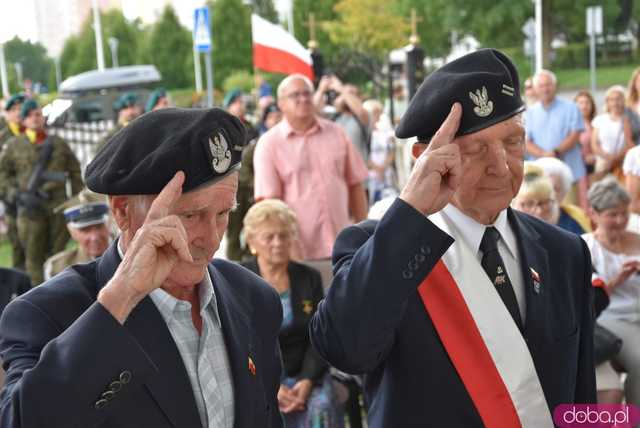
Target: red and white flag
277 51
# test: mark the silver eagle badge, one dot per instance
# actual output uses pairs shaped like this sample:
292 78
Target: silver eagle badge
220 153
484 106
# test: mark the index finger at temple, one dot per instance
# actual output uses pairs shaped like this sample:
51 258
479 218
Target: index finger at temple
167 197
448 129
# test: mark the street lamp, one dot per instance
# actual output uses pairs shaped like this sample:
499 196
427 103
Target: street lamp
113 45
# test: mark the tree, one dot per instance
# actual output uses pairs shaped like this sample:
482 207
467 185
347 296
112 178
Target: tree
169 47
231 34
323 12
265 9
36 64
79 51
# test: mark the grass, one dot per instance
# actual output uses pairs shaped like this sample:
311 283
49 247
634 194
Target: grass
580 78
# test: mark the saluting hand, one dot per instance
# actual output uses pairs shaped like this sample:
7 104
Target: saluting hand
159 244
437 172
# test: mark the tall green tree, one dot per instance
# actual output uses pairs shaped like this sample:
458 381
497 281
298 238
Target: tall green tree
169 47
323 11
36 64
79 51
231 34
265 9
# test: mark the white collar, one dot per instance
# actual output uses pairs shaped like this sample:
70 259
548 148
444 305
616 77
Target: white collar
472 231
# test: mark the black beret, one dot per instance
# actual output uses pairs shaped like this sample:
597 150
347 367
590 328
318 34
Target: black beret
484 82
142 157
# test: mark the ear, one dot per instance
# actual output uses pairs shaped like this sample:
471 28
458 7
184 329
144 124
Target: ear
417 149
121 211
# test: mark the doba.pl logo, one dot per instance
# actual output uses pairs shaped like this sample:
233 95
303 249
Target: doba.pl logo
596 415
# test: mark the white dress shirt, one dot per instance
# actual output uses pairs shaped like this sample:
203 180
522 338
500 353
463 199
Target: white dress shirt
471 233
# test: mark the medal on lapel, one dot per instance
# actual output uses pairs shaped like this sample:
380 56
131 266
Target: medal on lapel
307 307
536 280
252 367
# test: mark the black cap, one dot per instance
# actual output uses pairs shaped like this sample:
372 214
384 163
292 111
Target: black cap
484 82
143 156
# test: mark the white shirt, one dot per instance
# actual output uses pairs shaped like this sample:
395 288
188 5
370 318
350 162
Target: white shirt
471 233
204 355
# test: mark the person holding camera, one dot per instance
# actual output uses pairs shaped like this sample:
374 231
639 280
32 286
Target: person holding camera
38 172
350 113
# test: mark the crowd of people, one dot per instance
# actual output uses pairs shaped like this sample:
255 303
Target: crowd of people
287 183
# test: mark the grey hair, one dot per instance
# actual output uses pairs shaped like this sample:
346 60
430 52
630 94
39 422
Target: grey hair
297 76
607 193
555 167
543 72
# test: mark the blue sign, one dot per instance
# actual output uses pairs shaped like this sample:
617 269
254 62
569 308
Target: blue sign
201 33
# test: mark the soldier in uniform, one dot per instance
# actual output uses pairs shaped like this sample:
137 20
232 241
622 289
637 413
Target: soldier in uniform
87 217
234 104
38 172
11 129
157 100
128 108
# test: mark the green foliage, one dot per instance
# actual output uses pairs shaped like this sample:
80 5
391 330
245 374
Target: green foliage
265 9
323 13
242 80
169 47
231 33
36 65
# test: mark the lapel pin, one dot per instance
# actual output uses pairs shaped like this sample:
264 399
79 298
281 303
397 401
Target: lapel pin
252 367
307 307
535 276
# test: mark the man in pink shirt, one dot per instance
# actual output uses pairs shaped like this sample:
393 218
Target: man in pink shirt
310 164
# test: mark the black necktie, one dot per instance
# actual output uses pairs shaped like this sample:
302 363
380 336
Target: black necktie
494 267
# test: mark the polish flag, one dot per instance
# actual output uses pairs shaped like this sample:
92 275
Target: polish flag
277 51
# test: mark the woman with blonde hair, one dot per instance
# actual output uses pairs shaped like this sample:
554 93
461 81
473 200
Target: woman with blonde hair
306 396
611 137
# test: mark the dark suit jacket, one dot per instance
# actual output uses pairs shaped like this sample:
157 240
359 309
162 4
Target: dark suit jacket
373 320
62 350
13 283
300 360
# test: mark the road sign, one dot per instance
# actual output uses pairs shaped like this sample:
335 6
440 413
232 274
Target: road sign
594 20
529 28
201 34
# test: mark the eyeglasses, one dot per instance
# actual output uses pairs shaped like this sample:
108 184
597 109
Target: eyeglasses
298 94
532 204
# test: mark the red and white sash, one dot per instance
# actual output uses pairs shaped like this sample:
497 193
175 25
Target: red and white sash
482 340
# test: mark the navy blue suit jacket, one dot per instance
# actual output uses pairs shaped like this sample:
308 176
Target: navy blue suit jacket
374 322
62 350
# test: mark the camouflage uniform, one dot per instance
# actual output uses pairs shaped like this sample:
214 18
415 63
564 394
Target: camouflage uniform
17 252
41 232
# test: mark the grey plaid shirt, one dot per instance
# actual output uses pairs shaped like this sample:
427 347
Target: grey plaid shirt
205 356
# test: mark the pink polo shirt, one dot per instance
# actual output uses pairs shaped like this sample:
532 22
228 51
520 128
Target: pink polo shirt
311 172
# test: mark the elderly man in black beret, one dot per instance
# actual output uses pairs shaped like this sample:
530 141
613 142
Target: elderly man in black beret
460 311
154 333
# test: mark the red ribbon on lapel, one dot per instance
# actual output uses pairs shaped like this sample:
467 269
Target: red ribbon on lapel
466 348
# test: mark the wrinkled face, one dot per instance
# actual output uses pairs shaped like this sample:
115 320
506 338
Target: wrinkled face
296 101
205 215
13 114
612 220
615 102
492 167
272 241
93 240
584 105
545 88
542 208
34 120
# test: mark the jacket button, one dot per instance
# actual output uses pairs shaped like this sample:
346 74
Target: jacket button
115 386
100 404
125 377
407 274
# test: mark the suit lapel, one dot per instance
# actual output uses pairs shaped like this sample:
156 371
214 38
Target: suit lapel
239 344
171 387
534 256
